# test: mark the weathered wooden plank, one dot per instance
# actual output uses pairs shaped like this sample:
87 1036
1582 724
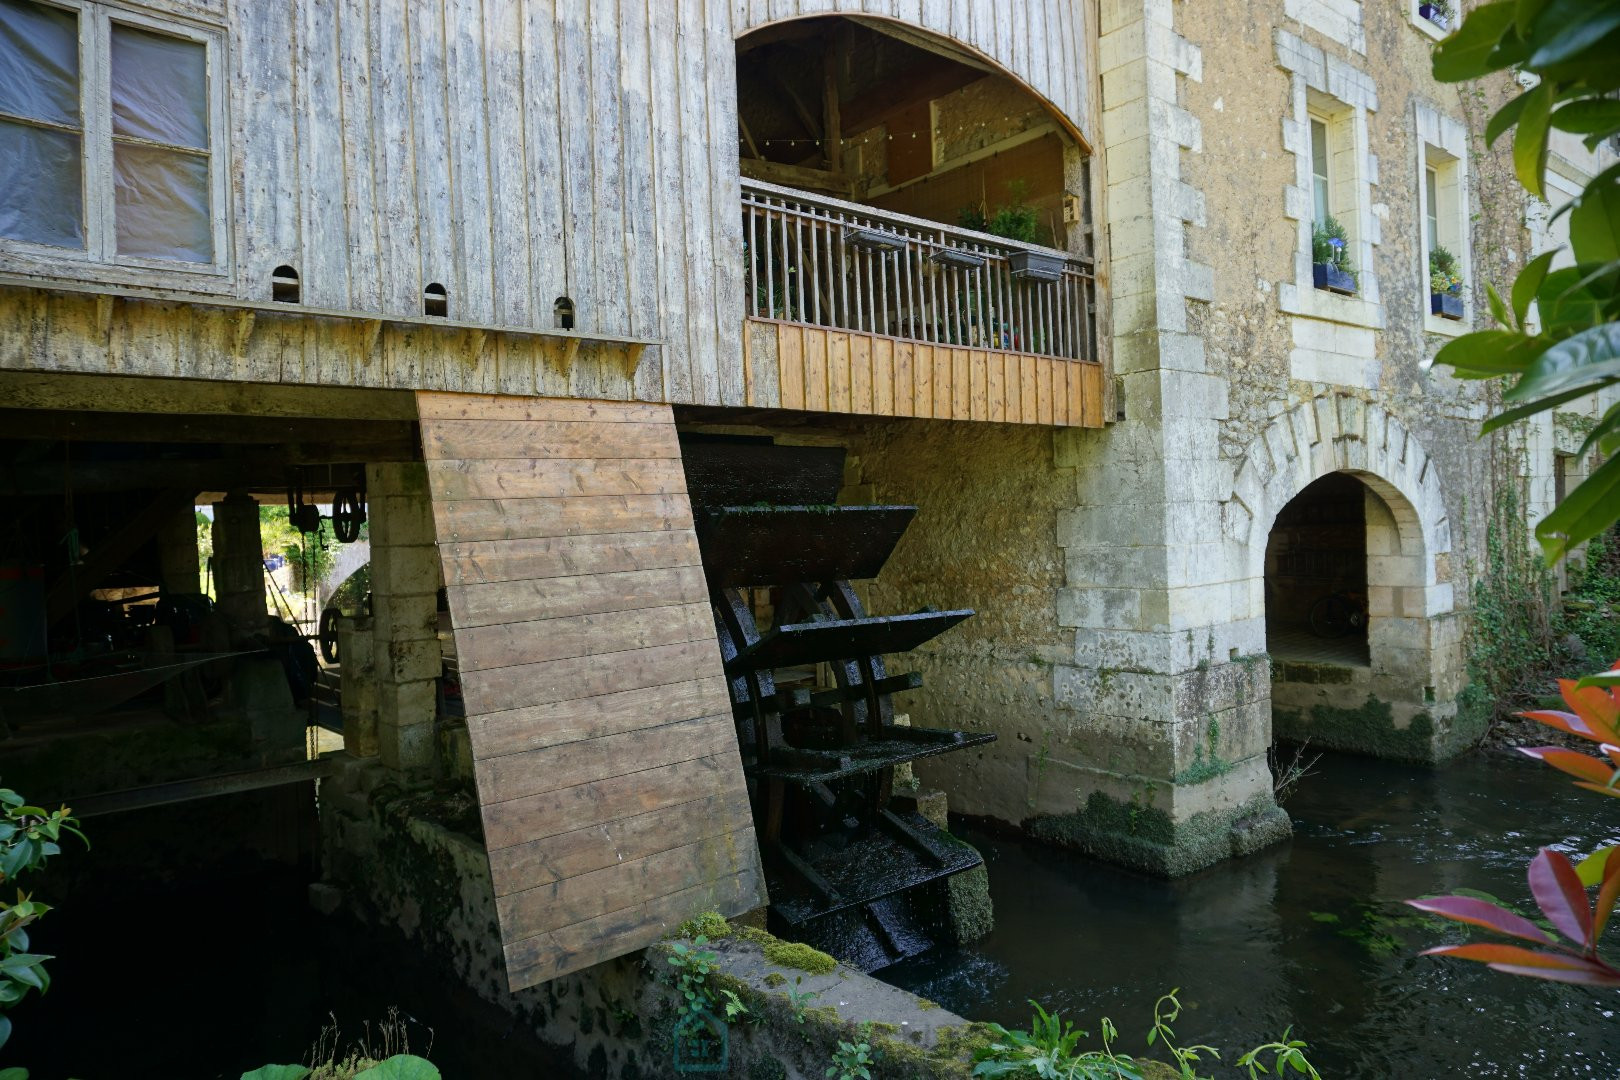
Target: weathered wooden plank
487 407
503 689
922 379
816 395
571 900
996 388
355 80
840 379
961 384
860 372
790 365
522 478
512 731
562 597
430 146
518 821
566 855
944 394
557 952
514 298
564 556
590 761
499 645
1028 378
547 439
883 351
521 519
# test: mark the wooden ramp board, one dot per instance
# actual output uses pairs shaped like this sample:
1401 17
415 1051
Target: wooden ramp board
608 773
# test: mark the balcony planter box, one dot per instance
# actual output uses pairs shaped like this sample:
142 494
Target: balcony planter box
1330 277
1447 305
1434 15
1034 266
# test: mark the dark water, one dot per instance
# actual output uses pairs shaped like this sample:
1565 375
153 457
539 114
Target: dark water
1309 933
173 969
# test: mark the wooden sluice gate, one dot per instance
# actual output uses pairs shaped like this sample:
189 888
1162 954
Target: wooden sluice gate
841 860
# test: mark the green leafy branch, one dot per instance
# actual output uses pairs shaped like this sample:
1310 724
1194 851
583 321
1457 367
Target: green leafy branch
1572 348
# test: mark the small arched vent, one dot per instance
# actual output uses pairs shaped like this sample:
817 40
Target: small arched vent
435 301
284 286
563 313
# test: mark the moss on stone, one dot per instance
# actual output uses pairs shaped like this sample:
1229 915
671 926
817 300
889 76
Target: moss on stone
1144 837
800 957
710 924
1370 729
774 979
968 905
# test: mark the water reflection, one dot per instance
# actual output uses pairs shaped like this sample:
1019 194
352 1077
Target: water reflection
1310 933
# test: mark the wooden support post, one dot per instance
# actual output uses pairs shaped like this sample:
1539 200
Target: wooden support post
832 135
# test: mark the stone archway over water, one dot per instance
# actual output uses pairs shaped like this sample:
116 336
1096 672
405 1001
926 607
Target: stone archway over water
1398 699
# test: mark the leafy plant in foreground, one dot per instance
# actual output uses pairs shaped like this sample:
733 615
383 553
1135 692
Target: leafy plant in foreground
1050 1050
1330 245
1559 886
29 837
1572 347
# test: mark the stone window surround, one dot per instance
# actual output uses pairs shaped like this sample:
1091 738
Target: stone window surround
1338 20
1334 336
1427 27
95 17
1443 142
1326 85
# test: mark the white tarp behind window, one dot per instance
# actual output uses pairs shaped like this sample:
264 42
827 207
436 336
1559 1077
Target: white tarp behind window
160 97
41 133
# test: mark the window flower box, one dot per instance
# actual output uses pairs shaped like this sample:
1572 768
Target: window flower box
1035 266
1436 14
1447 305
1330 277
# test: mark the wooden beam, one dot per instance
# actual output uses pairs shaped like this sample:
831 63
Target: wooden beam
832 140
85 426
33 390
811 125
794 30
256 474
112 551
748 136
917 85
798 176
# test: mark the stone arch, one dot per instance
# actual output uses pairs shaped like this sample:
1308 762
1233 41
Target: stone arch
1402 703
1341 433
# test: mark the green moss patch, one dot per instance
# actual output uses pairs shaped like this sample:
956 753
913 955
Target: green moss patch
1140 836
799 957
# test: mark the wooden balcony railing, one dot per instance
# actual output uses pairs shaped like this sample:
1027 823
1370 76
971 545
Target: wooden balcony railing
824 262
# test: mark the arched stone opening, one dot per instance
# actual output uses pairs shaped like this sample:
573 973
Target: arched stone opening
1337 494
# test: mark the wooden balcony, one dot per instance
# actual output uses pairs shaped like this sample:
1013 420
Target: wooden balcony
855 309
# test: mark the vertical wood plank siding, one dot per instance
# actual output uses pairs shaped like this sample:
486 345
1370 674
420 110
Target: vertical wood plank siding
607 768
517 152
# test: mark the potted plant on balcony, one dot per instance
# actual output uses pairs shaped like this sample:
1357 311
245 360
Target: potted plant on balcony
1439 13
1331 268
1445 285
1018 221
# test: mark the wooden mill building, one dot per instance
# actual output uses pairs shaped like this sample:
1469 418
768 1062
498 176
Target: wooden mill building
496 269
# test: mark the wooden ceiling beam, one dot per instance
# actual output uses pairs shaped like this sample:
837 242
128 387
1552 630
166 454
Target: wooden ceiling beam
915 86
117 427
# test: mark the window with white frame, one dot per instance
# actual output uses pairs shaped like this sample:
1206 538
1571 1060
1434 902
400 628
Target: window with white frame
1443 222
109 123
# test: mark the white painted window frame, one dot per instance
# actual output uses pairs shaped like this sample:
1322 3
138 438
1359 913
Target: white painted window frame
1442 144
99 258
1428 28
1330 88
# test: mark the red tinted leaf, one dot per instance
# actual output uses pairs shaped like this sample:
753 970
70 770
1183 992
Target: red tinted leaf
1607 894
1510 954
1560 895
1601 789
1480 913
1593 704
1593 973
1568 723
1579 765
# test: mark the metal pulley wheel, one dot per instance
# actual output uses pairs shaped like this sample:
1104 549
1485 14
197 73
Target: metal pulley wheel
348 514
329 634
303 516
